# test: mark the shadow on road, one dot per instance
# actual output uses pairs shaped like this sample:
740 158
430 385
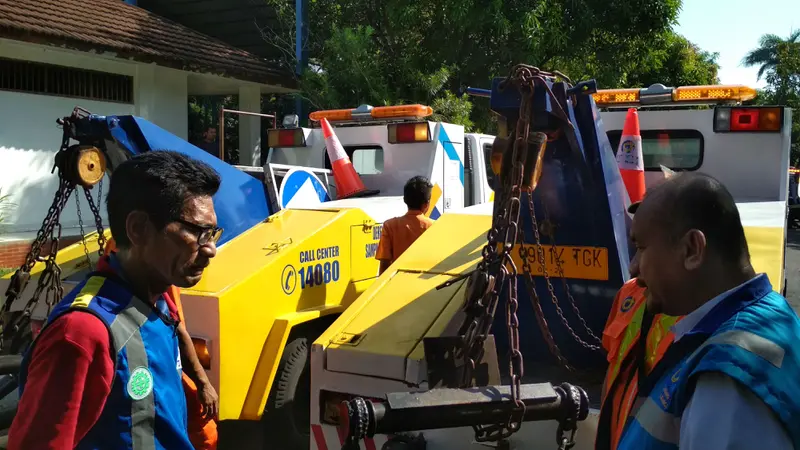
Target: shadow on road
793 239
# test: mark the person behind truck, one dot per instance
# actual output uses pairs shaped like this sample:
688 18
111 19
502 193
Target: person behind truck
105 371
399 233
731 378
209 142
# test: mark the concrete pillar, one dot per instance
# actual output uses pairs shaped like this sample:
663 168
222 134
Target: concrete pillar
161 97
250 126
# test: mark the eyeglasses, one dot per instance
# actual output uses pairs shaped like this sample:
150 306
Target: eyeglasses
205 234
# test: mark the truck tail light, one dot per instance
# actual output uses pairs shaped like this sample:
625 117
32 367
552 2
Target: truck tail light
748 119
286 138
400 133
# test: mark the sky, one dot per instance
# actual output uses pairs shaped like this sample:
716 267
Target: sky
733 27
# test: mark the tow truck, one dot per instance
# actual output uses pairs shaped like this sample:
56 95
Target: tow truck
288 263
412 365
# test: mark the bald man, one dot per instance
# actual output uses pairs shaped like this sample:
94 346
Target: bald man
731 379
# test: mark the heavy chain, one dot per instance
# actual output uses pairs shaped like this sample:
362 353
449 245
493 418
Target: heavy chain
49 282
497 269
98 221
553 248
541 258
50 278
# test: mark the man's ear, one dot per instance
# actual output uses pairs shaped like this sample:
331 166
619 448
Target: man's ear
138 227
694 249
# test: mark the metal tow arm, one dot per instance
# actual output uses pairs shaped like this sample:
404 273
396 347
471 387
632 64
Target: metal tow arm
494 412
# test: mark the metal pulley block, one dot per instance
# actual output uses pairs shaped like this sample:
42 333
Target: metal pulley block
84 165
534 160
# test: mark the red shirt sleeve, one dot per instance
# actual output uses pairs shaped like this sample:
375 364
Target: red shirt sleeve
69 378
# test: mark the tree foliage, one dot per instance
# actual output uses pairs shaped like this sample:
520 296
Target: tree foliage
778 61
427 52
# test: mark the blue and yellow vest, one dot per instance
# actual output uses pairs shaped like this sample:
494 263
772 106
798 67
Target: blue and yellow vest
749 336
146 408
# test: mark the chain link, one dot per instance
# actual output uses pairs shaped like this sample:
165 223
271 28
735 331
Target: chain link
49 283
497 270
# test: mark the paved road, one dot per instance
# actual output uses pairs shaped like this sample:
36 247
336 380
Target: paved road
793 268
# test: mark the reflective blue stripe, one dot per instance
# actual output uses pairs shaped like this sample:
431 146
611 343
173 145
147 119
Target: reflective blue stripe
450 151
754 345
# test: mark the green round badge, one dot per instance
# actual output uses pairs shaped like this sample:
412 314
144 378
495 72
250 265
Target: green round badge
140 385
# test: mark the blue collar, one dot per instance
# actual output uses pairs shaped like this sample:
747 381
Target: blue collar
732 302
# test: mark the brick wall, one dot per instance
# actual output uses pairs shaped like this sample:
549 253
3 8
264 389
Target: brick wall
13 254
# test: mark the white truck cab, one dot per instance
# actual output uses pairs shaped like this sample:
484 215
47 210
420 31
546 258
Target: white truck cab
387 146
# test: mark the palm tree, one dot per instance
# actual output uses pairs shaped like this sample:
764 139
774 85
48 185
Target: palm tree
766 55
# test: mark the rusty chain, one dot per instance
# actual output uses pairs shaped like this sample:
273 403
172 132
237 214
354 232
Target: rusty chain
49 283
497 269
542 263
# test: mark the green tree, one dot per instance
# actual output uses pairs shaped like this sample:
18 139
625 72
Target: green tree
779 63
427 52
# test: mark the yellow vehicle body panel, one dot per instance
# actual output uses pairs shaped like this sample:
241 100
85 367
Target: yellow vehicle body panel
295 267
72 258
255 287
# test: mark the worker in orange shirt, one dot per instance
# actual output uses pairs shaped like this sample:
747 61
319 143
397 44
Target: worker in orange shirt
628 356
202 405
400 232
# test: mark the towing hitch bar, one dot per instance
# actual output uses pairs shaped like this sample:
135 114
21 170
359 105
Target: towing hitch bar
452 408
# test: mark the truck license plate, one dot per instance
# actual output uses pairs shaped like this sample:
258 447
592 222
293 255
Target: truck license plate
585 263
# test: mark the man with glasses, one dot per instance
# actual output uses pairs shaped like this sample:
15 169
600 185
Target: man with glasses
105 372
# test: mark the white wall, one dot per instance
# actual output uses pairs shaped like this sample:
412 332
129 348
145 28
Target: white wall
29 136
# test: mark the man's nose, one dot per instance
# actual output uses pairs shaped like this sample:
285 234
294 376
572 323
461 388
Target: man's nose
634 267
209 250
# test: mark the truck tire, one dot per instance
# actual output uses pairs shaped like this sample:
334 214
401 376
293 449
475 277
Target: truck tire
286 418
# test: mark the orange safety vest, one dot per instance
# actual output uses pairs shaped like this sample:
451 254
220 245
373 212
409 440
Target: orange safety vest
620 335
202 432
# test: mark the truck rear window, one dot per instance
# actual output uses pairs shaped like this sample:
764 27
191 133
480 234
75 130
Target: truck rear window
676 149
366 159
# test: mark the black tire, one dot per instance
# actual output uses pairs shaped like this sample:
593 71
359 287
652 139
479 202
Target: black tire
287 414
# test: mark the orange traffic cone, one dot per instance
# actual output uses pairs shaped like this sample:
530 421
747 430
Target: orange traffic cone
348 183
629 157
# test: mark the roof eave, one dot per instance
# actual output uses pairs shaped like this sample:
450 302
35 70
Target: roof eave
266 76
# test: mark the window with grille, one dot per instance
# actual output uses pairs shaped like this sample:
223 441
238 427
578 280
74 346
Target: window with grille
50 79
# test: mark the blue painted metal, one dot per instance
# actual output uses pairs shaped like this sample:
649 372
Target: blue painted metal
582 192
300 53
130 2
241 201
478 92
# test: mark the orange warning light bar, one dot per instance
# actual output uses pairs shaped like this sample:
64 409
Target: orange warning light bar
367 112
658 94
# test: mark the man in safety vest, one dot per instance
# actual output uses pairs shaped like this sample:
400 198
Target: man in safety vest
627 355
621 339
105 371
202 402
731 378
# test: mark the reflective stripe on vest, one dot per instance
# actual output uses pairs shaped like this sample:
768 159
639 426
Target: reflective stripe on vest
658 331
755 347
